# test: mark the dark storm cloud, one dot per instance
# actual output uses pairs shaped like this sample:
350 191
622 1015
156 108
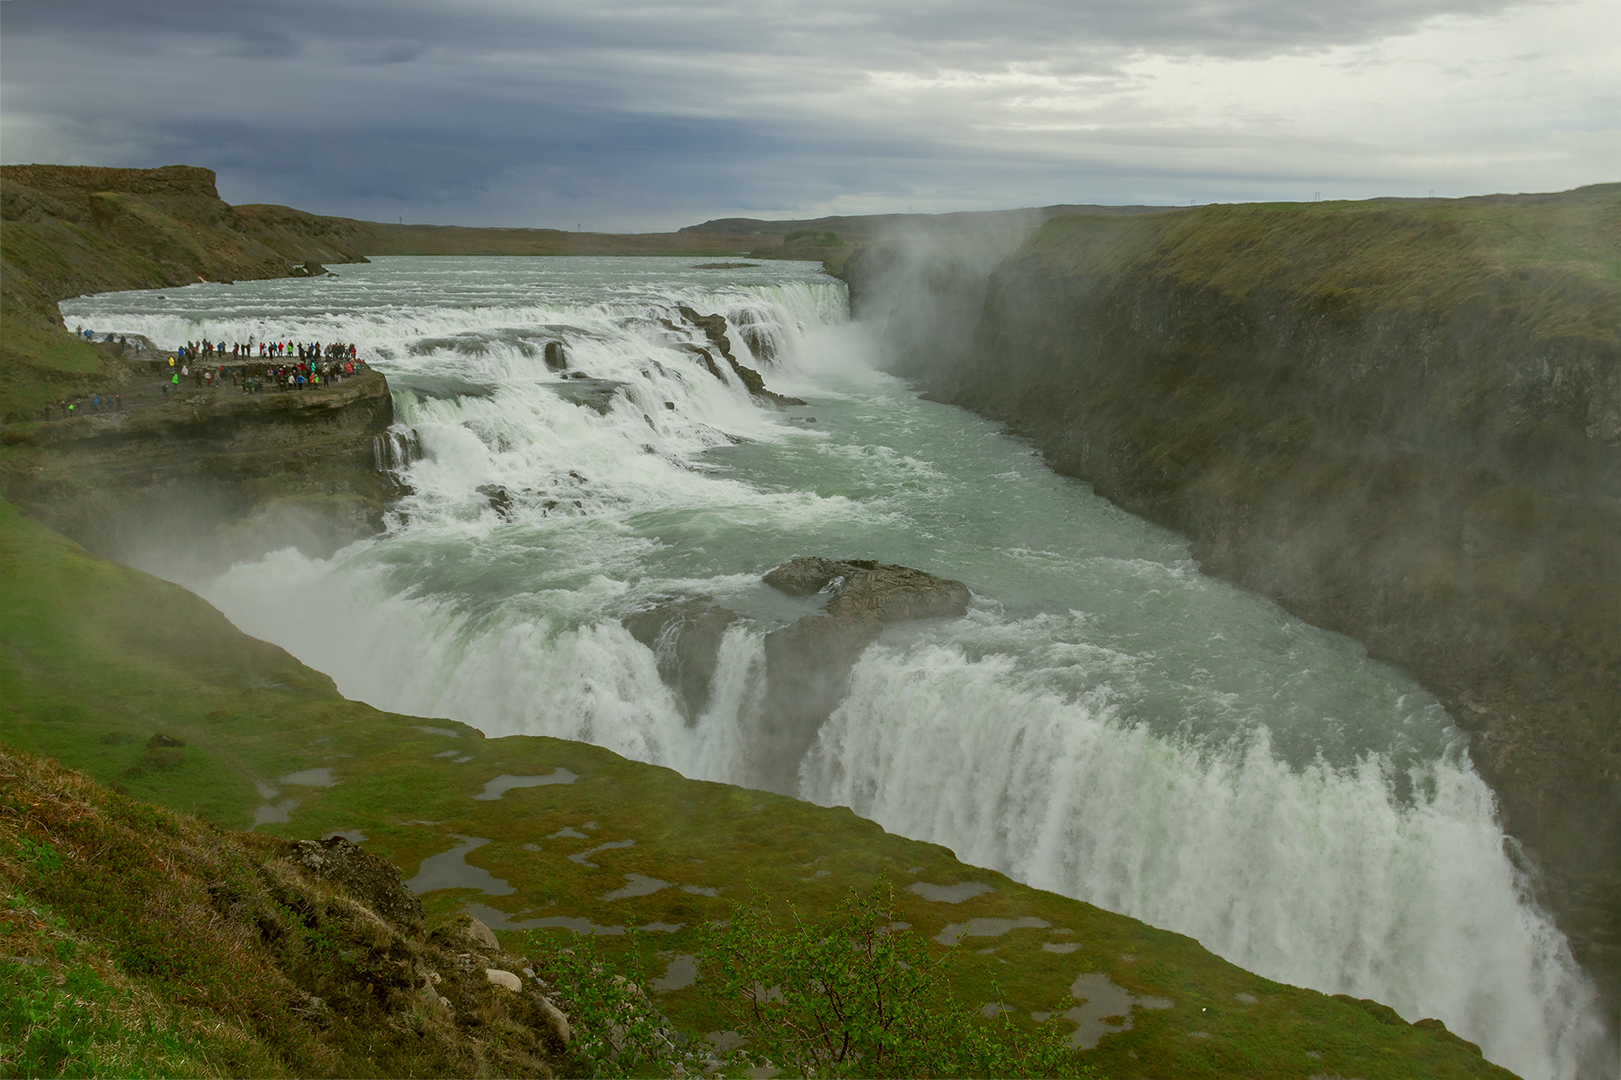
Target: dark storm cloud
627 115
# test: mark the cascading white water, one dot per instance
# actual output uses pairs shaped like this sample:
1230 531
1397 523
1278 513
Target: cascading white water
1313 876
1106 722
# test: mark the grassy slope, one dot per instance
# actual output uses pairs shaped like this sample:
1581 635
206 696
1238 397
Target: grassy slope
94 241
95 657
141 942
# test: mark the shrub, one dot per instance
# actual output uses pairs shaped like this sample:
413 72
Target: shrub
859 997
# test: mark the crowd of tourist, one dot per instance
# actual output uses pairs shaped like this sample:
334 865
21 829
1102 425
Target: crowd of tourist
304 366
252 367
268 350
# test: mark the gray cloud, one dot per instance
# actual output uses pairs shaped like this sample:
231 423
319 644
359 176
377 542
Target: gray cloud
635 115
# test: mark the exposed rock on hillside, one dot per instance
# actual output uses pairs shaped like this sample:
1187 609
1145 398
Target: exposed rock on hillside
372 881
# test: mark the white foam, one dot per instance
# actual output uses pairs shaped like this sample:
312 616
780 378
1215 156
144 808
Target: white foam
1318 877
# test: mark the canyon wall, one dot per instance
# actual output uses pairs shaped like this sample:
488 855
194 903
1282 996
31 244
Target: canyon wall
1402 421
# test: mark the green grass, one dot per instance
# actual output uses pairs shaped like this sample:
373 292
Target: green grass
1563 255
95 658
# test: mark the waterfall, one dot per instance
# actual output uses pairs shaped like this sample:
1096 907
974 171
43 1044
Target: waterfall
1106 722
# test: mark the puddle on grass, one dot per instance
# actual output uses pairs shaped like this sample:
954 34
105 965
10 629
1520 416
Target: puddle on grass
354 836
447 753
569 831
506 782
581 856
991 1010
274 813
681 973
500 920
309 778
1248 999
1060 946
1105 1009
955 932
949 894
446 732
700 890
449 870
640 885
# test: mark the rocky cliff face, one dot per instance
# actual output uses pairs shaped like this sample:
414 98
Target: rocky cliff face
1403 422
216 475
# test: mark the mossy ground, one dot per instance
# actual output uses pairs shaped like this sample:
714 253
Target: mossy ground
95 658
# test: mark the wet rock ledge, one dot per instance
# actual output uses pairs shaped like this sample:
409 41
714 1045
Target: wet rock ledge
807 662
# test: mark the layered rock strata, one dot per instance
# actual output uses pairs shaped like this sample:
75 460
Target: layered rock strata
217 473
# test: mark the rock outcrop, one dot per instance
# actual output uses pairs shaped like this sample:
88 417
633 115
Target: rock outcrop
686 637
714 328
373 881
808 662
235 473
239 474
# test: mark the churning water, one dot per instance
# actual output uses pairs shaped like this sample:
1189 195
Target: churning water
1105 721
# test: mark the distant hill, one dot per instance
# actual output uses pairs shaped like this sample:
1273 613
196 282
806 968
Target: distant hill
866 227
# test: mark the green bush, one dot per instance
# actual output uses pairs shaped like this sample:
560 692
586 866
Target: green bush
615 1030
852 997
859 997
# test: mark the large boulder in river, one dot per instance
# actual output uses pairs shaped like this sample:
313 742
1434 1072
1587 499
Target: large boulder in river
685 636
808 662
861 587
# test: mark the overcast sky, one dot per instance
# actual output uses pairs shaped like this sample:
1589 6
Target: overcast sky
637 115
